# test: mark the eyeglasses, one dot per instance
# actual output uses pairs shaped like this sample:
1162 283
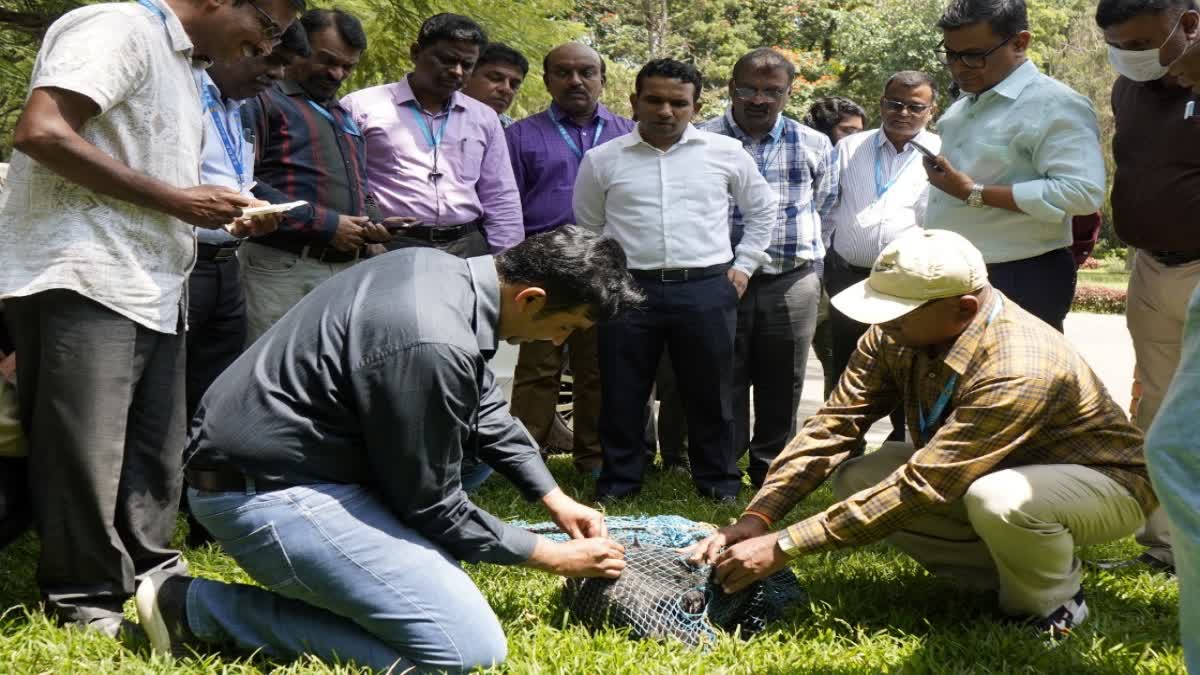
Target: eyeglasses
892 105
271 30
747 93
972 60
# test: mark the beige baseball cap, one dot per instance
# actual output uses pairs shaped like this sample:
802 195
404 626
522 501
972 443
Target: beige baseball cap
917 267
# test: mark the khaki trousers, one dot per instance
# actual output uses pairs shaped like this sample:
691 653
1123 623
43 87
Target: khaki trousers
1015 530
1155 312
535 393
274 281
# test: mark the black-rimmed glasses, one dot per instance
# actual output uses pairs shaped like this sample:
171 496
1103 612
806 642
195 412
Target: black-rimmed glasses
892 105
747 93
271 29
972 60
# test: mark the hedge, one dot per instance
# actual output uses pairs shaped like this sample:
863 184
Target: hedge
1098 299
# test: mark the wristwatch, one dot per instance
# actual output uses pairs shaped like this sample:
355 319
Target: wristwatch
975 199
787 545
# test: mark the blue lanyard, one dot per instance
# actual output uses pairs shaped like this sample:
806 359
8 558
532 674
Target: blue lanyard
570 141
881 188
939 406
433 139
154 8
768 160
221 121
348 125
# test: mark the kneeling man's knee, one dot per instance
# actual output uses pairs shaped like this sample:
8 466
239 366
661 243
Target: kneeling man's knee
996 497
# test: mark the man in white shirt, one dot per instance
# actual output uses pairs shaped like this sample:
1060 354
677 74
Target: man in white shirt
883 193
663 192
96 240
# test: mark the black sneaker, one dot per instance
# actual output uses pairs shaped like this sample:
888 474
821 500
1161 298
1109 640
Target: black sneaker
162 610
1059 623
1144 560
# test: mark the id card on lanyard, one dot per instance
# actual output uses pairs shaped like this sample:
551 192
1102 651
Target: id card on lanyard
928 424
234 151
575 149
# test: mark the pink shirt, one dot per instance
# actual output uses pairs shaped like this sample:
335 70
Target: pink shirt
476 178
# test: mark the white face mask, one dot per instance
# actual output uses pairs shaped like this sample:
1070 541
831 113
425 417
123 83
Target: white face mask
1141 65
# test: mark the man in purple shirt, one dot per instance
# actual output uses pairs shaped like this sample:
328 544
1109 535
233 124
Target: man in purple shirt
436 158
546 150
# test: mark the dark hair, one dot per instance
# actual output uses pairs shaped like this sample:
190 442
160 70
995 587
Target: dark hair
1113 12
546 62
764 58
297 6
294 41
348 27
826 113
911 79
671 69
451 27
577 268
1005 17
503 54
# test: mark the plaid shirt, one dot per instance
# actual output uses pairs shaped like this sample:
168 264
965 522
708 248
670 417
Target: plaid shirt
798 164
302 154
1024 396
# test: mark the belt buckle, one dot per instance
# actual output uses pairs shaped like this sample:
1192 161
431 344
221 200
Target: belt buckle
673 276
441 235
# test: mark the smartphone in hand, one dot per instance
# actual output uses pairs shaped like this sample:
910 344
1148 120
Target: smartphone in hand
922 149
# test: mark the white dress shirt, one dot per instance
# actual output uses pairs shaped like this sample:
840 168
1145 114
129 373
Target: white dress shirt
670 209
883 193
216 167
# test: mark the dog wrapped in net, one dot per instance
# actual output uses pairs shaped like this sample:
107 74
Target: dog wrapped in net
661 595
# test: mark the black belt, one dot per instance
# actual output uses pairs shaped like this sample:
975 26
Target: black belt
764 276
1174 258
322 252
216 252
440 234
230 480
680 273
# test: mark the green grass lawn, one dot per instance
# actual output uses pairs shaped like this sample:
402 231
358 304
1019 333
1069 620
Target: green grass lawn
871 611
1112 275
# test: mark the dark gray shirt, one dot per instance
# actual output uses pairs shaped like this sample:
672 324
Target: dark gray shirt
379 377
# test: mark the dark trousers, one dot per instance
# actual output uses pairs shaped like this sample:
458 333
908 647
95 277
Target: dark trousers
775 322
216 324
671 430
840 275
102 407
1043 285
15 510
696 321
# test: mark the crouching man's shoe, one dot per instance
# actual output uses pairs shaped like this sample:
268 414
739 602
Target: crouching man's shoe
162 611
1059 623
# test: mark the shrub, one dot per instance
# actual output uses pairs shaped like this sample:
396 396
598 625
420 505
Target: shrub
1098 299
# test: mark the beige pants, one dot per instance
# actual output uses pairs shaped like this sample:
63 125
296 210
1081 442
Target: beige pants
274 281
1156 310
1015 531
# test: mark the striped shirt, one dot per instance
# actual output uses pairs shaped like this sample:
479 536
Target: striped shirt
882 193
798 165
302 154
1024 397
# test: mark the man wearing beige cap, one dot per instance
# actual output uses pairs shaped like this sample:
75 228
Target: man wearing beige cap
1019 453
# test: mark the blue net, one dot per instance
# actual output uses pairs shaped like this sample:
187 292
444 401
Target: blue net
667 531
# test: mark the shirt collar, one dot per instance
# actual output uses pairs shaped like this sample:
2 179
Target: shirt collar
882 140
690 135
402 93
774 134
960 355
486 283
558 115
1012 86
180 41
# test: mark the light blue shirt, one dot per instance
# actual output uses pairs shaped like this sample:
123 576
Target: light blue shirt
215 165
1174 466
1036 134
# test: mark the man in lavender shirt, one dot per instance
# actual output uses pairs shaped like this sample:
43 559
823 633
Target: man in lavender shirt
546 150
436 158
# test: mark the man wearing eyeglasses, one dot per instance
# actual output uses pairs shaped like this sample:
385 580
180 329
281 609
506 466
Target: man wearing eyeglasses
882 194
1021 156
778 312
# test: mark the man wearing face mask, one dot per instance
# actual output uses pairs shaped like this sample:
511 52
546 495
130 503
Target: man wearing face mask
436 157
1155 197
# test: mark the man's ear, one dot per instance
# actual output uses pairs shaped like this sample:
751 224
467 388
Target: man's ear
968 306
1021 41
531 298
413 50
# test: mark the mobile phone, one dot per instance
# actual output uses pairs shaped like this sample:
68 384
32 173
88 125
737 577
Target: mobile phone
922 149
398 223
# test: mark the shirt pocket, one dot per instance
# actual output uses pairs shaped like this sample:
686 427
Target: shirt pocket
993 162
466 156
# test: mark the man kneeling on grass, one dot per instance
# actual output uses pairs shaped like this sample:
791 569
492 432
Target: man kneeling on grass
326 461
1020 454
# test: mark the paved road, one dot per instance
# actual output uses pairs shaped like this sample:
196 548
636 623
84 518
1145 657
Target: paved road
1101 338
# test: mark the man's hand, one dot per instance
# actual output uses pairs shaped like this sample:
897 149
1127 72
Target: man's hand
255 226
708 550
943 176
739 279
574 518
579 558
750 561
376 233
210 206
349 235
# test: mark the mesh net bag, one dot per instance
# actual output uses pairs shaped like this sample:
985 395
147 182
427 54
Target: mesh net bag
661 595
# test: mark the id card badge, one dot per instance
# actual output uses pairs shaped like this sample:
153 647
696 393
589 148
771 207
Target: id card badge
873 215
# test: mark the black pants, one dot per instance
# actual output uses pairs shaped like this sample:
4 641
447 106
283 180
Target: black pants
840 275
696 321
101 401
15 510
216 324
1043 285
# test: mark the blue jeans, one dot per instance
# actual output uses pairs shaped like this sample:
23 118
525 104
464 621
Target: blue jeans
345 580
